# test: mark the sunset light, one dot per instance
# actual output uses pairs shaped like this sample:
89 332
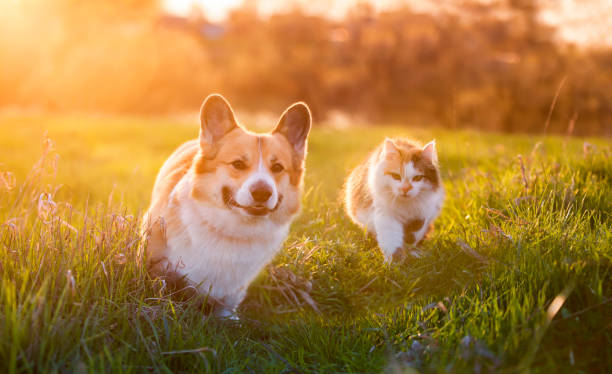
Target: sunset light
305 186
579 21
215 10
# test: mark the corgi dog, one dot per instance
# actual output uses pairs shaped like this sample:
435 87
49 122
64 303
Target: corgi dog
222 204
396 194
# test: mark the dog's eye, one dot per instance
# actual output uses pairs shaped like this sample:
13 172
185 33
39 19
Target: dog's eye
417 178
395 176
239 165
277 168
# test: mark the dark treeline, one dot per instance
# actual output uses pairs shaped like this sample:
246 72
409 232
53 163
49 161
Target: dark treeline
494 67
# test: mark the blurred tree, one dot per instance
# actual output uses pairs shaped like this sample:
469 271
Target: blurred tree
491 65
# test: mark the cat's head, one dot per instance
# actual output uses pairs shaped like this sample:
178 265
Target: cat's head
407 169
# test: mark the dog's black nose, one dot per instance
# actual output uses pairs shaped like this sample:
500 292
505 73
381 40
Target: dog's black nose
261 192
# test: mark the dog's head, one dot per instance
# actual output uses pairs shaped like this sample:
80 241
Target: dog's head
255 176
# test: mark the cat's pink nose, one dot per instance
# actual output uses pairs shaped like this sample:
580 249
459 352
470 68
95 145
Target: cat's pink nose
405 188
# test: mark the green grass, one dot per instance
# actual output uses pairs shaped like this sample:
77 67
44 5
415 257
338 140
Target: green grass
515 234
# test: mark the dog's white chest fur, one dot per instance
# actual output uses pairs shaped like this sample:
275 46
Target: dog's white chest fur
218 254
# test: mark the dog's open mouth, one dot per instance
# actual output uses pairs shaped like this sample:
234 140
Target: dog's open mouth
254 210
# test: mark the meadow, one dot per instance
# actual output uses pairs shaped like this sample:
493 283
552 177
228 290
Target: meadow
515 278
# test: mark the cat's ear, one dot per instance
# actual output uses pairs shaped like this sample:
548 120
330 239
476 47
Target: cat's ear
389 147
430 153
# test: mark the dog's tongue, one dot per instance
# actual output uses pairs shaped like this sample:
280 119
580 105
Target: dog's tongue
257 210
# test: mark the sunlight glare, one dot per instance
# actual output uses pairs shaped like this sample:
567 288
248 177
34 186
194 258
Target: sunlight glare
214 10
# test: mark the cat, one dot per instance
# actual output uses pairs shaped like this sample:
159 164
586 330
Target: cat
396 194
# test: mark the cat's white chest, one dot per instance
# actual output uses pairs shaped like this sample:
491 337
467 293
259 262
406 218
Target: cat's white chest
425 207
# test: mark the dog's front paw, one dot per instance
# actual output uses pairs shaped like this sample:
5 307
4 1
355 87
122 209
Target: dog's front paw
227 314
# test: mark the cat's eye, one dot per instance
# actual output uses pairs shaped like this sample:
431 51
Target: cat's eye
417 178
395 176
277 168
239 165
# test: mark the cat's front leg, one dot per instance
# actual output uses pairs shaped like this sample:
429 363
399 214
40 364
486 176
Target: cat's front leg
414 230
389 234
420 235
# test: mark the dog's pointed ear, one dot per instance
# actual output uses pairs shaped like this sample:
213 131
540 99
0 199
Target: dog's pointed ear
216 119
294 125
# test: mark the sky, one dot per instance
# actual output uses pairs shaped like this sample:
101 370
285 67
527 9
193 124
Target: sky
216 10
581 21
